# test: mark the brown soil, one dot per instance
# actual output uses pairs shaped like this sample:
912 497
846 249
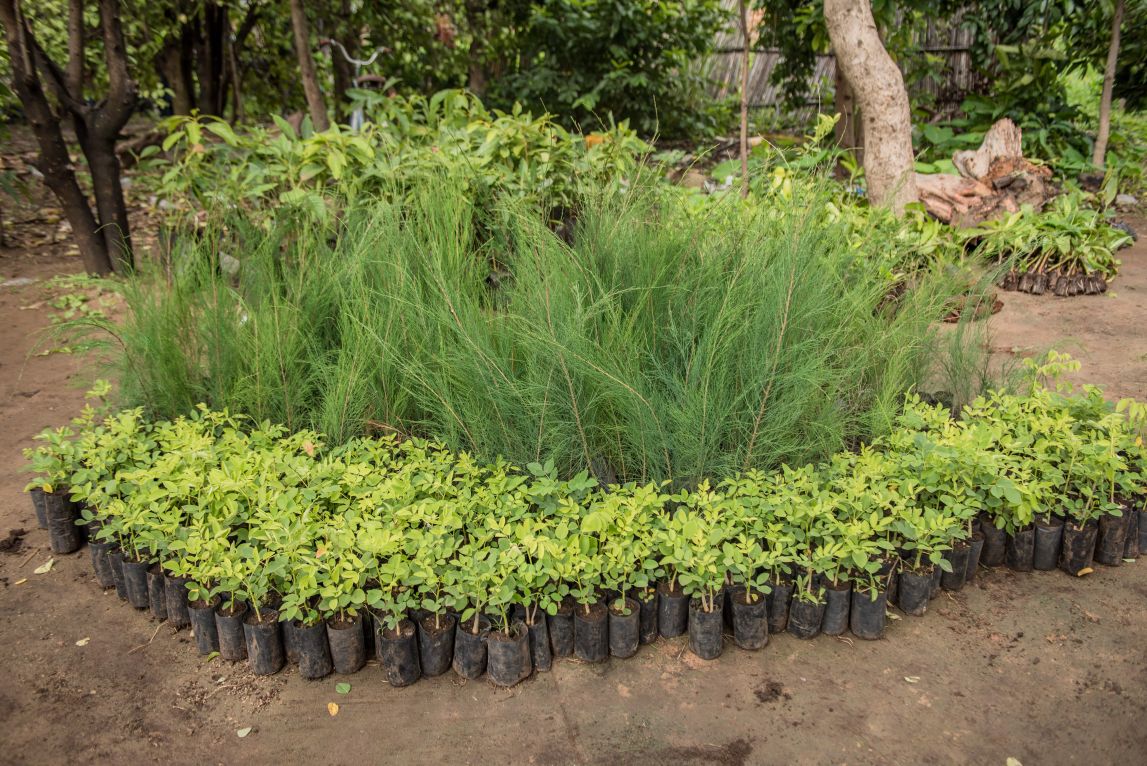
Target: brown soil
593 613
434 627
405 629
1041 667
1106 333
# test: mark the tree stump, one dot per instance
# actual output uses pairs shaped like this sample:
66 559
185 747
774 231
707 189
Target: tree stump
995 180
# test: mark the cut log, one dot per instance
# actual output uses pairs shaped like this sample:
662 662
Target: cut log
994 180
946 196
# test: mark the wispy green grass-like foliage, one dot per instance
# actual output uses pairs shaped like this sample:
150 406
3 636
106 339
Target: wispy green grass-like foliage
663 344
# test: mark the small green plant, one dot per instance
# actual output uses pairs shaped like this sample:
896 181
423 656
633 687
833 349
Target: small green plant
1067 249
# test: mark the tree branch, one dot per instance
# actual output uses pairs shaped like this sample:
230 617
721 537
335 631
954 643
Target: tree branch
75 78
122 91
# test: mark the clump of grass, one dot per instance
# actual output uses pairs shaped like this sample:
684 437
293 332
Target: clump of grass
660 345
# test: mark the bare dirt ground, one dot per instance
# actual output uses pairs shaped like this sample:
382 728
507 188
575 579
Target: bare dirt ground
1106 333
1042 667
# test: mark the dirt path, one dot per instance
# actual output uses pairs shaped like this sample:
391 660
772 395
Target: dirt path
1044 668
1107 333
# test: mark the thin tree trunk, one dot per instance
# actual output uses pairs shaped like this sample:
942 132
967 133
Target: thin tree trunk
847 127
234 45
235 78
879 88
315 104
105 124
343 81
476 20
174 63
75 79
342 69
746 45
1099 155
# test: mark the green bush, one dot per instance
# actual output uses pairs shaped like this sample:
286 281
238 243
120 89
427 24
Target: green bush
660 345
409 142
595 61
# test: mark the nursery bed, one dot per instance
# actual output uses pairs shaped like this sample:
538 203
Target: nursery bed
987 674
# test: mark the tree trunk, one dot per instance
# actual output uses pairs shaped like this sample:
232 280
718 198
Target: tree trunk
75 79
1099 155
110 205
746 46
343 81
53 160
234 45
104 238
315 104
105 123
879 88
476 20
235 79
848 129
174 63
212 62
342 69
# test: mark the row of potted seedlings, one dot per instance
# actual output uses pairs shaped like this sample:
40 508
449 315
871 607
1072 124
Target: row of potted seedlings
276 548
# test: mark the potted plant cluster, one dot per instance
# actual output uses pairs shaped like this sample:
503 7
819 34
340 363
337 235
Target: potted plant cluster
277 548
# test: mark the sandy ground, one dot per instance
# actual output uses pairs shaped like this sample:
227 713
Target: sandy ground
1043 668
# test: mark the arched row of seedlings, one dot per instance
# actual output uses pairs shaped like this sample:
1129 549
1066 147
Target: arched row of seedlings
276 548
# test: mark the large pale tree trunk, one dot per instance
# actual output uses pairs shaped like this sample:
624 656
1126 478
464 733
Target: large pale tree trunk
315 104
879 89
1099 155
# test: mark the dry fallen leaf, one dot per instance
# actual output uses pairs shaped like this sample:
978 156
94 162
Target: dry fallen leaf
21 581
309 448
333 708
83 641
912 679
45 567
243 732
1084 571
